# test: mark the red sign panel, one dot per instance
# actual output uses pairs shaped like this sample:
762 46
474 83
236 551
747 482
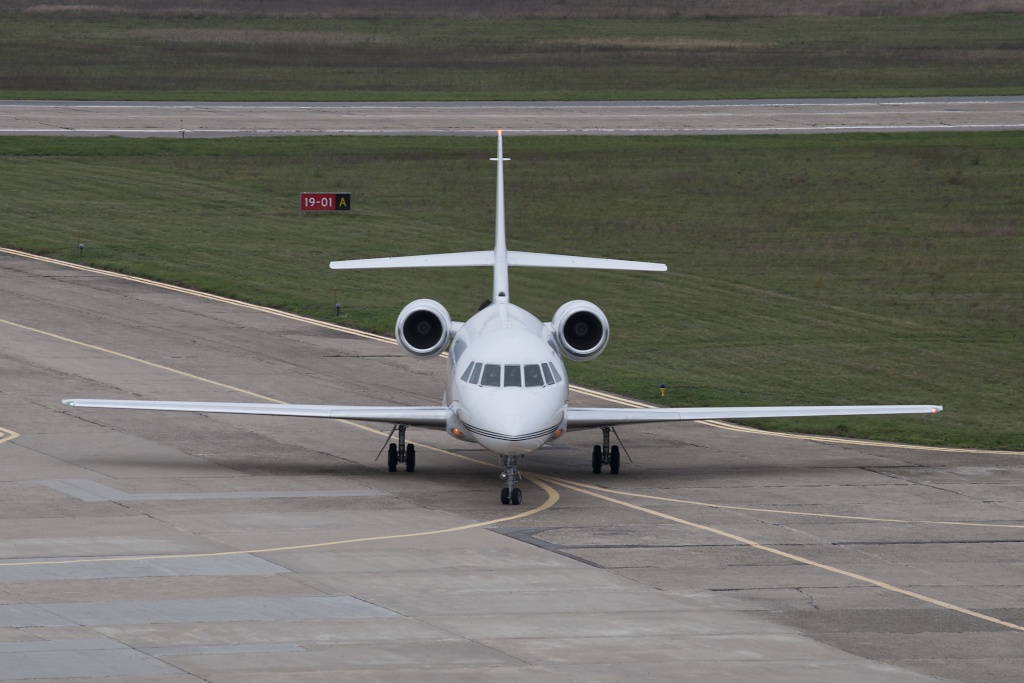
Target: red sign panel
325 201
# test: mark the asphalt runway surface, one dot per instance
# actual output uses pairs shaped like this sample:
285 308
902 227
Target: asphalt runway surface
196 119
164 548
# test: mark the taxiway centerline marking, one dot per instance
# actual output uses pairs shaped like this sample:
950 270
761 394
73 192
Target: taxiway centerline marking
552 498
790 556
203 295
854 442
796 513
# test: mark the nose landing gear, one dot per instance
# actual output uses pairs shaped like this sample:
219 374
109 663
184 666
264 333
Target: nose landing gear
510 475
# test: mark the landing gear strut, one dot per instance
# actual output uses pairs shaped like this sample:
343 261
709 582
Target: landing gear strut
401 452
510 475
605 455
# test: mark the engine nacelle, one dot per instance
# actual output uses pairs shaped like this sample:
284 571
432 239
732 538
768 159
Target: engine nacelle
581 329
423 328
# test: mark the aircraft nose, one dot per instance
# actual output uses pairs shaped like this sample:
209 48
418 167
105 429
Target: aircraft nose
511 424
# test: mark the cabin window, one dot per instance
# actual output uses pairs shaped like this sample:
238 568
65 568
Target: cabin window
547 374
513 376
491 376
558 378
475 377
531 373
468 372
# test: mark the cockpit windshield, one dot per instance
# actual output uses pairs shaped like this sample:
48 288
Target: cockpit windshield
494 375
491 376
531 373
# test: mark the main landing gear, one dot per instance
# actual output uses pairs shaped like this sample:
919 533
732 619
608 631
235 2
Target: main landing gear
510 475
400 452
603 455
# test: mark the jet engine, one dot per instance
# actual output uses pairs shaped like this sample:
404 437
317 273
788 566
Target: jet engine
423 328
581 329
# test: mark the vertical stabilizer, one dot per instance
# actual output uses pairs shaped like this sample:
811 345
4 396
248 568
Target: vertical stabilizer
500 292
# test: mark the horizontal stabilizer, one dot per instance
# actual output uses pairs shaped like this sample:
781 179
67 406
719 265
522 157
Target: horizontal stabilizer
486 258
457 259
584 418
526 258
418 416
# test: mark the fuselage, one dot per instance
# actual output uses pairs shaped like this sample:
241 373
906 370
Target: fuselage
507 388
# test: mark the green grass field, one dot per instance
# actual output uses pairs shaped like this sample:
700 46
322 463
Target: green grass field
231 54
802 269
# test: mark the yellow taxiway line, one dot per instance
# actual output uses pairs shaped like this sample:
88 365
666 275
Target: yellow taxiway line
551 499
772 511
589 491
541 481
7 435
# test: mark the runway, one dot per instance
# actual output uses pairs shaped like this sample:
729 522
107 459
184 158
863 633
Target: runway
194 119
171 547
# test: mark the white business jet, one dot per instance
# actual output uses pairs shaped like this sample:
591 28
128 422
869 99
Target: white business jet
506 386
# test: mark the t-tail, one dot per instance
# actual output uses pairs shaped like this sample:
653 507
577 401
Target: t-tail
499 258
500 290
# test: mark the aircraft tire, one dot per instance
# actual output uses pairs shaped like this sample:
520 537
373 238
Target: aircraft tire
517 496
393 458
615 460
410 458
595 460
505 499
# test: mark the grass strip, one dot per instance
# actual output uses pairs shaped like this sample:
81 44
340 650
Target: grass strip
228 56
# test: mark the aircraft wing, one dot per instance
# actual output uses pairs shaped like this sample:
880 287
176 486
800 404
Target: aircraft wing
585 418
417 416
